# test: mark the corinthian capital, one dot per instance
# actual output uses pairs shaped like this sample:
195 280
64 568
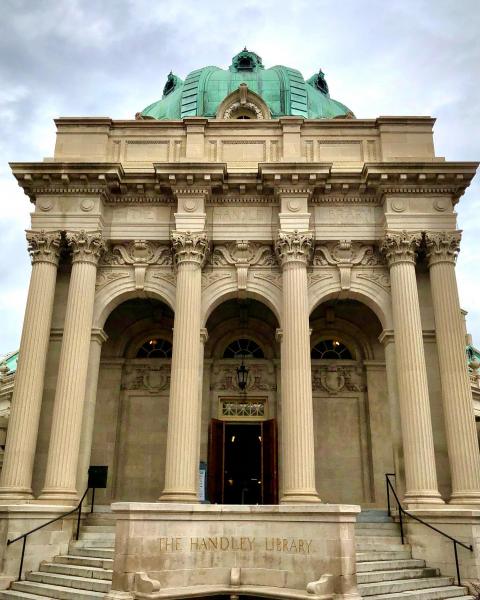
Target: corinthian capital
190 247
401 246
43 246
294 247
86 246
442 246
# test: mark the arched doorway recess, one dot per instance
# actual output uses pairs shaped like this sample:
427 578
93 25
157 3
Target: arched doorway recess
353 439
240 412
130 429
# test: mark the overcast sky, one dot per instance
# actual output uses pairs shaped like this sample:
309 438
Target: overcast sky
111 58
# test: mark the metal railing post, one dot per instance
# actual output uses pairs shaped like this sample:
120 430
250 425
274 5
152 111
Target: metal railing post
21 559
456 562
388 495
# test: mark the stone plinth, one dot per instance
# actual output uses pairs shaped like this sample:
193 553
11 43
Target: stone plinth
191 550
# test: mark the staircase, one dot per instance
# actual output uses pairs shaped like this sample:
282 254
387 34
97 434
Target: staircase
386 569
85 573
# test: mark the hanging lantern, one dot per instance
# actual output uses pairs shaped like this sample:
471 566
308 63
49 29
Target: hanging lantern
242 376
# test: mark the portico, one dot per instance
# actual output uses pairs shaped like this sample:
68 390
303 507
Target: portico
318 254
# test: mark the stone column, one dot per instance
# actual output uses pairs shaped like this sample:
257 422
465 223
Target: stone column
183 435
63 452
442 250
420 474
27 394
98 337
298 453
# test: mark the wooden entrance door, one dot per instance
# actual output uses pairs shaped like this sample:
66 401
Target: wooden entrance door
222 468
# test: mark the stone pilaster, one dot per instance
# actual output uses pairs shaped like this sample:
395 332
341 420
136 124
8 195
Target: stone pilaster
420 475
442 250
183 436
294 250
19 457
98 337
63 453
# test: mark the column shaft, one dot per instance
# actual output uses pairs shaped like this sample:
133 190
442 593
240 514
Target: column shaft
63 452
184 413
298 450
419 455
460 427
29 378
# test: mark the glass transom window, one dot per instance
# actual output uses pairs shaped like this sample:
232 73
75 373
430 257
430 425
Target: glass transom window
331 349
243 348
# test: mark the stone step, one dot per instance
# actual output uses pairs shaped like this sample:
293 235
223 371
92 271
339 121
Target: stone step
97 535
373 555
84 561
392 529
94 528
380 544
94 543
377 525
79 583
403 585
76 570
54 591
377 576
14 595
390 565
93 552
441 593
374 515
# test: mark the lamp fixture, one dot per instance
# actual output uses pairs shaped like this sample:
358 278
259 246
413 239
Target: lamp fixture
242 375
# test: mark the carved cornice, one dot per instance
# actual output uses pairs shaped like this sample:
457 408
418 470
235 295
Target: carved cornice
442 246
294 247
85 246
401 246
138 252
44 247
190 247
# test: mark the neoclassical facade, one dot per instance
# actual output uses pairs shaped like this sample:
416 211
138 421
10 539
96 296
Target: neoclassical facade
245 304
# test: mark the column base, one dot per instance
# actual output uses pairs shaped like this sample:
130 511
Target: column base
465 498
300 497
422 497
59 496
182 497
16 494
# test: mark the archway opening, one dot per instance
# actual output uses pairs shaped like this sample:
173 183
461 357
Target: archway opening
240 403
132 400
353 441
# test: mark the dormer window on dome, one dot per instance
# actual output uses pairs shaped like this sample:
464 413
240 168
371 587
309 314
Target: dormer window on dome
243 104
246 61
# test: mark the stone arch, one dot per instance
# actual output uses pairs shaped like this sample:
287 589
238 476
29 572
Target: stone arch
222 290
114 293
349 333
258 333
370 294
243 99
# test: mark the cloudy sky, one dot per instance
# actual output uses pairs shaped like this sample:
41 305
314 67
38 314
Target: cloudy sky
111 58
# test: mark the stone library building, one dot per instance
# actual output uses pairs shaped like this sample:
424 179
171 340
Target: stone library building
243 370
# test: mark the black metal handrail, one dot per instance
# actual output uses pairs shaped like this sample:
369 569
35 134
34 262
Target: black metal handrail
402 511
25 535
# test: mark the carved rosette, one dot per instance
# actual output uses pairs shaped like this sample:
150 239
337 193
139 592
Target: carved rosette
401 246
190 247
442 246
294 247
44 247
86 246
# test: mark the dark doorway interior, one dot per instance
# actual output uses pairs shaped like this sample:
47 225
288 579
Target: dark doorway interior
243 464
242 467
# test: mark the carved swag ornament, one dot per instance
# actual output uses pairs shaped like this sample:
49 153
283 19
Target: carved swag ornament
243 254
334 379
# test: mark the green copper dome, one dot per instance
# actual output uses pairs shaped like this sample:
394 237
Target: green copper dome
281 91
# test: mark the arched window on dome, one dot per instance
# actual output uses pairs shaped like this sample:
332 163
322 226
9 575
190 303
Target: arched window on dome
243 348
331 349
155 348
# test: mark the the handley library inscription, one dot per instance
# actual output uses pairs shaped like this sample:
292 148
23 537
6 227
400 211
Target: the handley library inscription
232 544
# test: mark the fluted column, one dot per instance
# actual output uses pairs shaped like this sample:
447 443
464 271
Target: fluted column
181 468
463 454
27 395
420 474
63 452
98 337
298 453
